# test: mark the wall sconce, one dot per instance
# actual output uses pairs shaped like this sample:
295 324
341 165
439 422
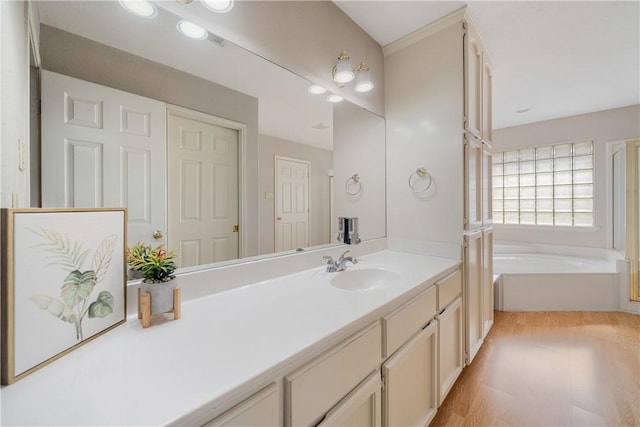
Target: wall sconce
343 72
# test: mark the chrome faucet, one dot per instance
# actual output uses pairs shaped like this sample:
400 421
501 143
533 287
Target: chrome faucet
341 264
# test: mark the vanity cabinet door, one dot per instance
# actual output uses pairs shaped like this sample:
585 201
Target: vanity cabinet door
261 409
450 347
410 381
473 298
362 407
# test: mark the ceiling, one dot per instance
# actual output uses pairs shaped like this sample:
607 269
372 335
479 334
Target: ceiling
556 59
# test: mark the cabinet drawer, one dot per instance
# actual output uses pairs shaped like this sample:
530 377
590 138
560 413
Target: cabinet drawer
314 388
404 322
261 409
449 288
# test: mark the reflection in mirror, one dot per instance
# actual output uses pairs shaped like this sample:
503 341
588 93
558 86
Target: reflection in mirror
215 151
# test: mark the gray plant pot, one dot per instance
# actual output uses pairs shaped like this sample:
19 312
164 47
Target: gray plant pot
161 295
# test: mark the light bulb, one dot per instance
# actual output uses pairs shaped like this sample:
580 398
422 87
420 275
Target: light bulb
333 98
142 8
218 6
363 79
192 30
316 89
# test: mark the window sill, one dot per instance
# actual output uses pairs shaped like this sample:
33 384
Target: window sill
577 229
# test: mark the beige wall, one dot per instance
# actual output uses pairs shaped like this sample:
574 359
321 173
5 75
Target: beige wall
84 59
302 36
424 93
359 148
601 127
321 162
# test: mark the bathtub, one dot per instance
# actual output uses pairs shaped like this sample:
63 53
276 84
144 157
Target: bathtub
545 277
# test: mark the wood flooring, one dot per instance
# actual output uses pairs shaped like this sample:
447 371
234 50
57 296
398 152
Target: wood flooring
551 369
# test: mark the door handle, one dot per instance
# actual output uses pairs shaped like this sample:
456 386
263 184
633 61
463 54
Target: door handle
236 228
157 234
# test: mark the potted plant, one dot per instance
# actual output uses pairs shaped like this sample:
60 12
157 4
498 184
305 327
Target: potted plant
157 267
135 254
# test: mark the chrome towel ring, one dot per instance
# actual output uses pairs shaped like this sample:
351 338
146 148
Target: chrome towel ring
353 185
420 181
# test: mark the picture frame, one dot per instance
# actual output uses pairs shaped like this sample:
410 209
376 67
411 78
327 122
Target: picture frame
63 282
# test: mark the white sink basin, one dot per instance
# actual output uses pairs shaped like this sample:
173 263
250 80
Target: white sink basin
363 279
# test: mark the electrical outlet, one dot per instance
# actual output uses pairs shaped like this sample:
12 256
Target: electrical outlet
268 195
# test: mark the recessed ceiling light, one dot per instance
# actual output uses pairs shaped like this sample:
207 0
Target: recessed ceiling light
522 110
333 98
142 8
192 30
218 6
316 89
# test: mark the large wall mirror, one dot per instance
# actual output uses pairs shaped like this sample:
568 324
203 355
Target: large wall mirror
215 151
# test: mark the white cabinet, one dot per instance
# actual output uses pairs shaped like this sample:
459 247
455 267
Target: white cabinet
478 79
362 407
450 347
487 280
487 184
410 388
261 409
314 389
473 301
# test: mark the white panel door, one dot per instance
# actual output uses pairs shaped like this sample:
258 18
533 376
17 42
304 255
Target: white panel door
473 82
450 348
103 147
203 189
473 299
473 160
487 281
292 203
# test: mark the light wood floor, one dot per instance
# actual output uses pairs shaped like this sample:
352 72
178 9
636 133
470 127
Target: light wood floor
551 369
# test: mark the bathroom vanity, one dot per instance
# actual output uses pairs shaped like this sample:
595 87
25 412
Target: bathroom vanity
300 349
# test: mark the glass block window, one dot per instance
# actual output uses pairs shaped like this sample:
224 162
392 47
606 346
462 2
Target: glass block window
549 185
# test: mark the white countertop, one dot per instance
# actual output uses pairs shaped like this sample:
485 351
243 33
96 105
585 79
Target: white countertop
223 343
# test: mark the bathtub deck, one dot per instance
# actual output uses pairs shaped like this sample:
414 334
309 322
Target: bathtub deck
551 369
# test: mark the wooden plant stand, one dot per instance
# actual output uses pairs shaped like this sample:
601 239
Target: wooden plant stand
144 307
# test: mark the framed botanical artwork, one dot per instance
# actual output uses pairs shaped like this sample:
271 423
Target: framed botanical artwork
63 282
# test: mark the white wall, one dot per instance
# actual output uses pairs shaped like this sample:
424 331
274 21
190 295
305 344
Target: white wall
424 109
601 127
14 104
359 148
321 161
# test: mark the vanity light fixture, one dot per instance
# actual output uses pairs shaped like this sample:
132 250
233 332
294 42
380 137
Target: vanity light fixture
363 79
142 8
316 89
333 98
218 6
342 72
192 30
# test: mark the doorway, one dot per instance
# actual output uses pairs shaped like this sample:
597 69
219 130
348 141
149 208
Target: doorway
292 203
203 187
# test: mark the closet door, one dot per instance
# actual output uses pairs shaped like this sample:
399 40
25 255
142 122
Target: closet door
487 281
473 75
473 183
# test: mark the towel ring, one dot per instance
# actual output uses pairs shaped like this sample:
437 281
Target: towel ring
420 175
353 186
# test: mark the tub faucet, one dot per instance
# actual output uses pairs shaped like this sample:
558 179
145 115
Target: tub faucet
341 264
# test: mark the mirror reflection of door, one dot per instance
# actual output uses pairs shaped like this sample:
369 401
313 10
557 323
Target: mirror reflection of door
202 188
94 136
292 203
